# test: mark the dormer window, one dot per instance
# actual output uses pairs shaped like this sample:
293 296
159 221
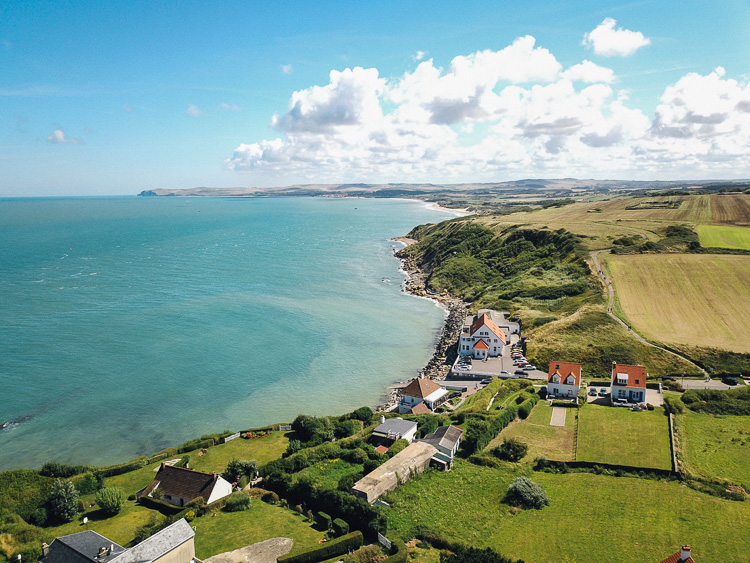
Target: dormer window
571 380
555 379
621 379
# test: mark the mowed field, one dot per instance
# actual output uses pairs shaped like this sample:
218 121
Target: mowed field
553 442
718 236
693 299
732 209
619 436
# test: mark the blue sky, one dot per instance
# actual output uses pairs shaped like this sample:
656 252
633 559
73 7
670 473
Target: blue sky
113 98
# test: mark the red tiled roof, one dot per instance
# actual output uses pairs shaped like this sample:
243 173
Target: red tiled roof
420 388
421 408
675 558
564 369
183 483
485 319
636 375
481 345
381 449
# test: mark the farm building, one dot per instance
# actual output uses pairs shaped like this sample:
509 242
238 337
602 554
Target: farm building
415 458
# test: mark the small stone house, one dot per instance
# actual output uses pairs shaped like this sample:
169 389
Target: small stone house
179 485
563 379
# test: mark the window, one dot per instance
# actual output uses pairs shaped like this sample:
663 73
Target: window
636 382
622 392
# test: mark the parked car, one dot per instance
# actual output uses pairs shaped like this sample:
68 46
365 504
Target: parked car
499 407
729 380
529 366
520 372
454 395
603 392
592 391
667 378
504 372
485 381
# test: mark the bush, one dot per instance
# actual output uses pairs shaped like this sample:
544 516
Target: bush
110 500
183 462
674 404
479 433
53 469
511 450
239 467
524 492
323 520
362 413
237 502
270 497
293 447
62 502
328 550
474 555
347 481
398 446
89 483
340 527
399 553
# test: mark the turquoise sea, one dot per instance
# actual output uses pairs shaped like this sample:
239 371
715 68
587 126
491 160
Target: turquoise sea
131 324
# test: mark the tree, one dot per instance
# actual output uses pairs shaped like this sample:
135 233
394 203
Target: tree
524 492
511 450
110 500
239 467
62 502
293 447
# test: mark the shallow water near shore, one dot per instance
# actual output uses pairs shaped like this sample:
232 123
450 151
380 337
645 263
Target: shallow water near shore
131 324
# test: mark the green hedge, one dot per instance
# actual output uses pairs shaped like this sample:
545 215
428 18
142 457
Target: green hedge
112 470
160 505
481 432
399 553
340 528
673 404
524 410
323 520
330 549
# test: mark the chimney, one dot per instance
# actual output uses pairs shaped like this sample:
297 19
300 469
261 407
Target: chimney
685 553
45 549
382 419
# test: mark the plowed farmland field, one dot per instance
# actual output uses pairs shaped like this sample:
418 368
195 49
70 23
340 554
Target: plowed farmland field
695 299
731 209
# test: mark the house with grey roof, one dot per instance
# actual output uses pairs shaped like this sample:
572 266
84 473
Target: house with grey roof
394 429
179 485
446 440
173 544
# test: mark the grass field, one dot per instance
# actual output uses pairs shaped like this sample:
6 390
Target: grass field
590 518
553 442
716 446
619 436
228 531
721 236
686 298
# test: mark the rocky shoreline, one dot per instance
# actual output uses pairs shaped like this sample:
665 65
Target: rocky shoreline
444 355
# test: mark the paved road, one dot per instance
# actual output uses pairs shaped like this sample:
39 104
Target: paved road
703 384
611 304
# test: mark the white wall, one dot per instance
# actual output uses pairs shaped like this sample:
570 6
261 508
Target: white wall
563 389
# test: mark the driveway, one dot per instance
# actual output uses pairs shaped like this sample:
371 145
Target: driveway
262 552
703 384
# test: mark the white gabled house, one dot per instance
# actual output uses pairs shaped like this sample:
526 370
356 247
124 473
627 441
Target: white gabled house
421 396
628 383
481 337
564 379
395 429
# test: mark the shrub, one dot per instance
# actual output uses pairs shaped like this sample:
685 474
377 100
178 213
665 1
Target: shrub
183 462
293 447
362 413
110 500
399 553
237 502
340 527
673 404
62 502
347 481
328 550
323 520
463 554
511 450
131 497
53 469
89 483
524 492
270 497
239 467
398 446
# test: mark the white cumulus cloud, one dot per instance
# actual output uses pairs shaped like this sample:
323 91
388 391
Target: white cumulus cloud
193 110
492 115
607 41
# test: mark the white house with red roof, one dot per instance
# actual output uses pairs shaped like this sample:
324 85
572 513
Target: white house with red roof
563 379
481 337
421 396
628 383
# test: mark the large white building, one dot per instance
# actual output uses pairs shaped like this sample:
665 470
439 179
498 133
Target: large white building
484 334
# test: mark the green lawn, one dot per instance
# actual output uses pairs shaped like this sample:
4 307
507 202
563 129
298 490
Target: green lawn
724 236
216 459
228 531
590 518
553 442
327 473
716 446
617 435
